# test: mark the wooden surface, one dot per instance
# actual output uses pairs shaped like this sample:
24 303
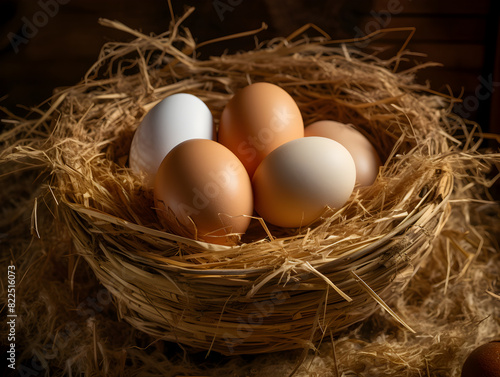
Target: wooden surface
460 34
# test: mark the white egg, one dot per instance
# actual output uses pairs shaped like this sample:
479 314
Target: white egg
177 118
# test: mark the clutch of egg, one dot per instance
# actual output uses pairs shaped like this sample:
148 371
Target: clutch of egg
263 161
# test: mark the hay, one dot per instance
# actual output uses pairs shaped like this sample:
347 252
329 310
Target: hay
279 289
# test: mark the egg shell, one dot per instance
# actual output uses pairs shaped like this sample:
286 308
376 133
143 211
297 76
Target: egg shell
203 191
258 119
298 181
484 361
362 151
177 118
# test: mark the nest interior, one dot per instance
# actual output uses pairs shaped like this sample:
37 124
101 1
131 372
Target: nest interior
278 289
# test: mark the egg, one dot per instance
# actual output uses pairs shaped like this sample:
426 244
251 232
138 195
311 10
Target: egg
299 180
362 151
484 361
177 118
203 191
258 119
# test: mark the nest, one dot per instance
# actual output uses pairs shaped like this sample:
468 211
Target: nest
278 289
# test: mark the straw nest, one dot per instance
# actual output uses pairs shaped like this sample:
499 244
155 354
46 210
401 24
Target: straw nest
278 289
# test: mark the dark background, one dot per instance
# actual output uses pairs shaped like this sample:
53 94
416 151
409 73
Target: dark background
460 34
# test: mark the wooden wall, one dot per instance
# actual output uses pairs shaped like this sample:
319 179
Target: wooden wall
460 34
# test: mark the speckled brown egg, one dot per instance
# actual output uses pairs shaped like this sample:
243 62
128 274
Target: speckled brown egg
484 361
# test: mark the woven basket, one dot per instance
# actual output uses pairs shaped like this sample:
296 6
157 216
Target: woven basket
278 289
254 310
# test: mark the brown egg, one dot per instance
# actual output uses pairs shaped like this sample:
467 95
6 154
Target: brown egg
258 119
362 151
203 191
484 361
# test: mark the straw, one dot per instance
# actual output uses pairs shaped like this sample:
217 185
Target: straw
263 294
